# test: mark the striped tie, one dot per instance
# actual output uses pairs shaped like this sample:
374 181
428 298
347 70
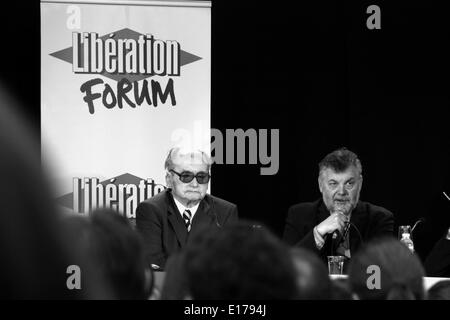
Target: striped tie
344 248
187 219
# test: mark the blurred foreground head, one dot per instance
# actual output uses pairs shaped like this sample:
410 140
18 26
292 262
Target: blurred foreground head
440 291
400 273
313 281
35 252
241 261
116 250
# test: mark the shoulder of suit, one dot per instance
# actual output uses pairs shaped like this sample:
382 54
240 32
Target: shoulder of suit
219 201
375 210
157 199
304 208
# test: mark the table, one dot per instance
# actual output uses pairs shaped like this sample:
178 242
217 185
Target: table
428 282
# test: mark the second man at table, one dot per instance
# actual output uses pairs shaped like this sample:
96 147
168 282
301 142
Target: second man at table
338 223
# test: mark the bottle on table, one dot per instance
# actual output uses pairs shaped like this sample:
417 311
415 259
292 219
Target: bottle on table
404 234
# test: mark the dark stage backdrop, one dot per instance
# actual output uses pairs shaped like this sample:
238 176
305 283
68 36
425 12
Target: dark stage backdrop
316 73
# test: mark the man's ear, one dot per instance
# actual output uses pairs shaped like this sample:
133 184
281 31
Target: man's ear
319 181
168 180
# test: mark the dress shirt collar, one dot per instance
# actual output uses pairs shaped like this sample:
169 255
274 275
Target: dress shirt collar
181 208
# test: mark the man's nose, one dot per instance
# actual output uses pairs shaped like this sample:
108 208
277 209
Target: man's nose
194 182
342 190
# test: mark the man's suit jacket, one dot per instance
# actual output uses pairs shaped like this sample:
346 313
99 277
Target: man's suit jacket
163 229
371 221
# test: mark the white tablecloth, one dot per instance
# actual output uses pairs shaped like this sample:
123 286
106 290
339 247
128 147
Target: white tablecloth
428 282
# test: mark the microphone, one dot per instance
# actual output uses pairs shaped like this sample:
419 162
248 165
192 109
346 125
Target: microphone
422 219
336 234
154 267
217 221
215 215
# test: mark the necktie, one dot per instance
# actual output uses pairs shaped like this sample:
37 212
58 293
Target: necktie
187 219
344 247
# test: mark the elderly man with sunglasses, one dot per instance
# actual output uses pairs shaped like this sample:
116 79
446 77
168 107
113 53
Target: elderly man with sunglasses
168 220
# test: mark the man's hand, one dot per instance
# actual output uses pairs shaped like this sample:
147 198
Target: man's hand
336 221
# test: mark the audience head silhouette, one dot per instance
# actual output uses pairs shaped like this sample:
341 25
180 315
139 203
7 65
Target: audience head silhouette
391 268
313 281
440 291
116 251
240 261
35 250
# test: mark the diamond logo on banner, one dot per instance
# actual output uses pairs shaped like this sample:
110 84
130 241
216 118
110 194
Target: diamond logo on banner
126 184
67 55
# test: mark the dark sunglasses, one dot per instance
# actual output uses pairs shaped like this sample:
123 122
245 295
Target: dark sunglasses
187 176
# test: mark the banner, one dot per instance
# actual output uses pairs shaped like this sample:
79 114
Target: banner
120 80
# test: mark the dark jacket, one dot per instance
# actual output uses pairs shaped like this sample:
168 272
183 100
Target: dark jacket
163 229
371 221
437 263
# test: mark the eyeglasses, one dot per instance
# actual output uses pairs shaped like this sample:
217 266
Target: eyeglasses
187 176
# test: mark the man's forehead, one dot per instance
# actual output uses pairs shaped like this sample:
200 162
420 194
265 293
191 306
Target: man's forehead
350 172
189 160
